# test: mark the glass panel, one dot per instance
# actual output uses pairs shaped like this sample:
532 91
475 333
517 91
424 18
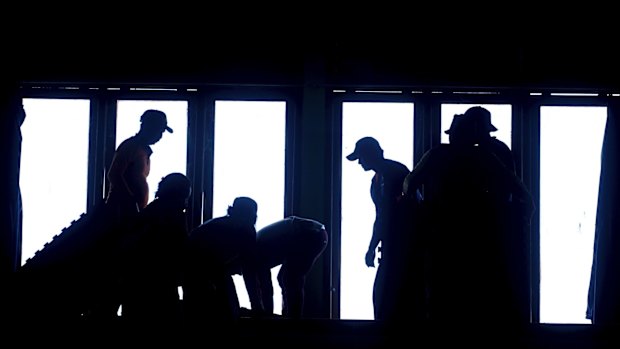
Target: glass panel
170 152
249 160
571 139
501 118
392 125
54 168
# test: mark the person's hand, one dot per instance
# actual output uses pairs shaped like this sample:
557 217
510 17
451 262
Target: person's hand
370 258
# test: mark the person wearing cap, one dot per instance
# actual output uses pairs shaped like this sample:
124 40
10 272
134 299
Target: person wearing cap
217 249
385 191
128 194
130 167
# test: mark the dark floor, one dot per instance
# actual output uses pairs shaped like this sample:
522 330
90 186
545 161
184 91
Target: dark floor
311 333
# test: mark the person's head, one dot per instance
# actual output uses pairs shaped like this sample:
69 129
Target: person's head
175 188
153 123
461 131
244 210
480 118
368 152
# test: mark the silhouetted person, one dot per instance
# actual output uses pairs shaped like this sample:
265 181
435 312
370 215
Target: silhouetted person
153 256
13 115
128 194
131 164
385 191
217 249
475 261
295 243
478 123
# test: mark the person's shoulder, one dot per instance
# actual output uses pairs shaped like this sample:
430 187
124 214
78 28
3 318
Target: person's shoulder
129 145
499 144
153 208
132 144
162 207
128 142
397 166
439 149
500 147
437 154
206 225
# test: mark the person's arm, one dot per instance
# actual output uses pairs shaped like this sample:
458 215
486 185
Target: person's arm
521 195
118 167
250 279
376 227
524 198
374 242
250 272
142 165
413 181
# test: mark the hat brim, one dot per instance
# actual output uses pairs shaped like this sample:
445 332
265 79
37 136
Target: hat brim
353 156
491 129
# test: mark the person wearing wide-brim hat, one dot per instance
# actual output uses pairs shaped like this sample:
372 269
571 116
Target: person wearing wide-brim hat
475 127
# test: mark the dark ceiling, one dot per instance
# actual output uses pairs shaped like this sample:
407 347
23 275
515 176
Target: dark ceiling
461 53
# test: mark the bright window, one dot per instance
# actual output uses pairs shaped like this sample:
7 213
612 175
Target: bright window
54 168
392 125
249 160
571 140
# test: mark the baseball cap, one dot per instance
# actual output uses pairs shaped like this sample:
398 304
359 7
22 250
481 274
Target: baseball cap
364 146
155 118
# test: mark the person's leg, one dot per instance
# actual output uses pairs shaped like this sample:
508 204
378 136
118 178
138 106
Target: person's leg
292 284
378 293
292 276
230 300
266 287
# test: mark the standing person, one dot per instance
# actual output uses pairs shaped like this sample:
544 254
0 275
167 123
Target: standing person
385 191
131 164
295 243
128 194
474 256
217 249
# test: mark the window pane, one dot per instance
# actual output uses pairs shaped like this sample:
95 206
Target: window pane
501 118
570 160
392 125
54 168
249 160
170 153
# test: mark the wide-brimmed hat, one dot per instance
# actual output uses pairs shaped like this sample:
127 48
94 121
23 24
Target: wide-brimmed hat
481 117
